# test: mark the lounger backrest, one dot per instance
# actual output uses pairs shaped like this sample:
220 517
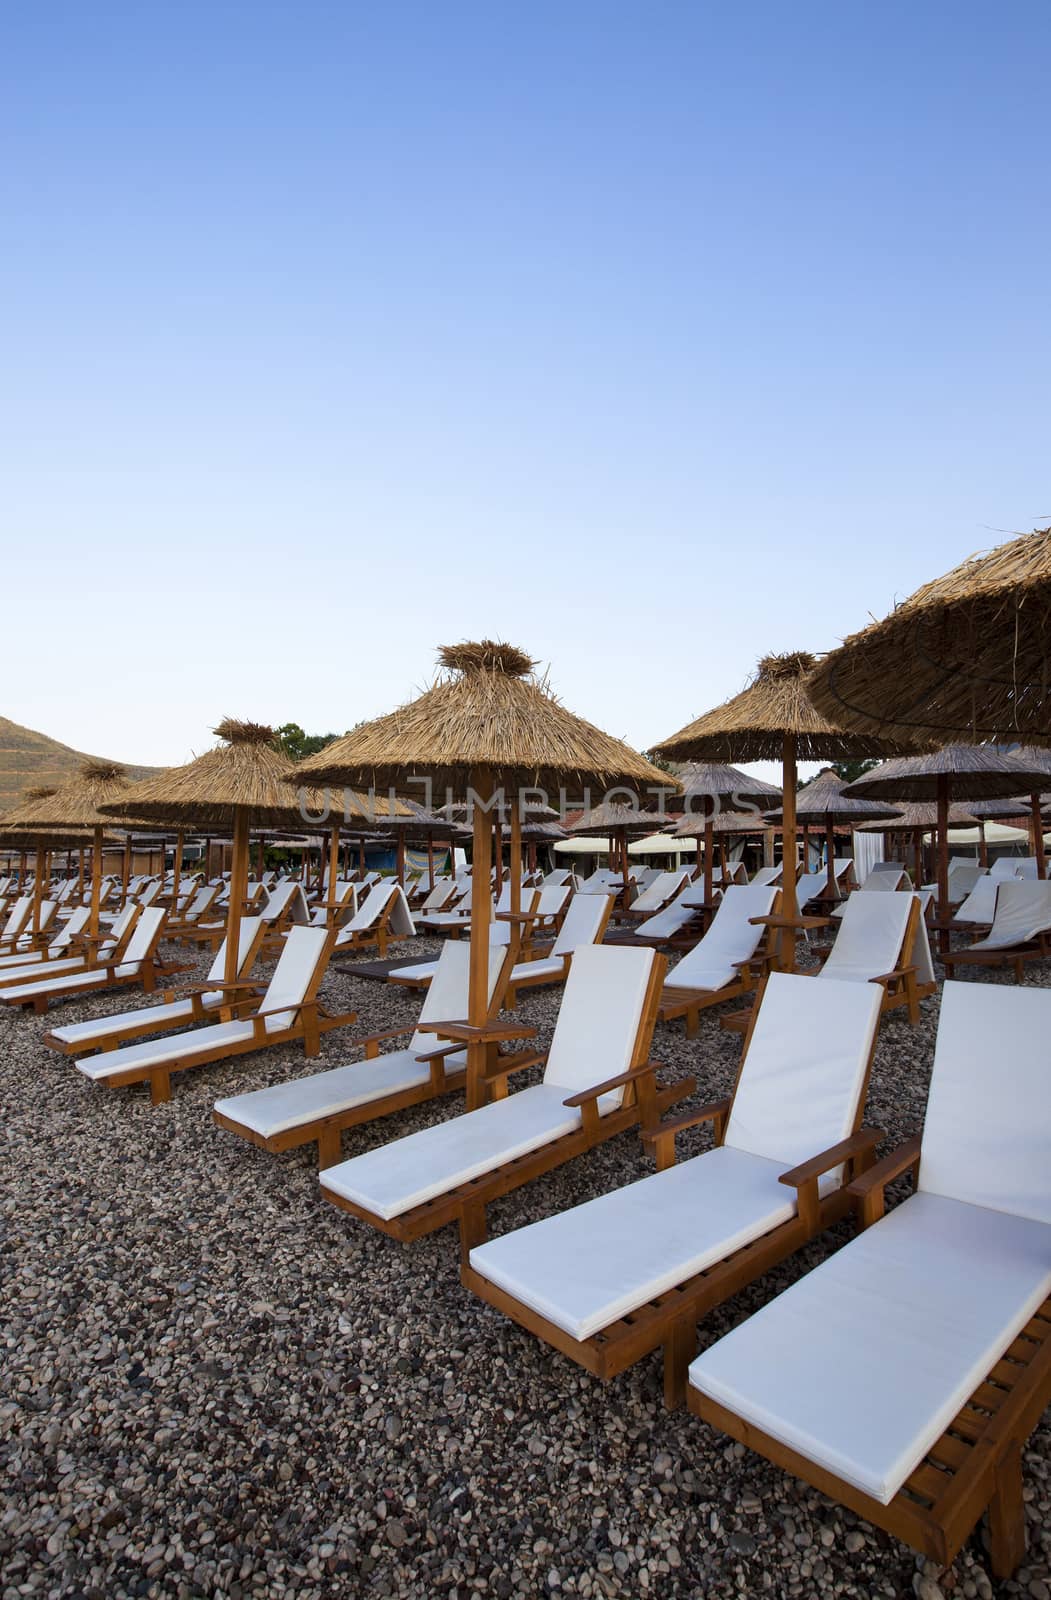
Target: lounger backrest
980 905
600 1017
439 896
870 936
552 900
375 904
587 916
279 901
1005 867
400 921
121 924
732 936
143 941
884 882
963 875
296 969
17 917
48 913
247 933
809 886
149 893
764 876
664 885
1023 909
557 876
201 901
841 865
805 1070
1027 867
987 1132
447 996
77 920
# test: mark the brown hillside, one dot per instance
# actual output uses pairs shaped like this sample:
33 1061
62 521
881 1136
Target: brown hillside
31 759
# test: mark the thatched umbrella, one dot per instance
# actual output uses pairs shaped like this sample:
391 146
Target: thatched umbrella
824 803
773 720
617 821
416 825
706 830
529 810
76 806
487 726
983 811
533 833
960 771
710 787
21 830
237 786
965 657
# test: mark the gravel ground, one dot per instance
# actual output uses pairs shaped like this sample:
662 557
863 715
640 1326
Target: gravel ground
215 1384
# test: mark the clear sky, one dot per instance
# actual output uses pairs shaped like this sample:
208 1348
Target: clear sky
650 336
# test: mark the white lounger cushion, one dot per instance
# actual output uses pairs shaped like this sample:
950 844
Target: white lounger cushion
288 1105
138 947
863 1364
1023 909
798 1095
869 939
169 1013
409 1171
732 937
59 941
584 1268
156 1052
595 1035
980 905
664 885
582 924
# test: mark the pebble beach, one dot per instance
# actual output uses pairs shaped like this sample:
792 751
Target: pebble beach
216 1384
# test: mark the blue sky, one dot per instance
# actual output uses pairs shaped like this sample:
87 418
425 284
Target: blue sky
650 337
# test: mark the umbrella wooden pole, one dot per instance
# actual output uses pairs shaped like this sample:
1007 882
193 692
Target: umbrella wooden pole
125 871
96 883
830 853
177 867
498 851
709 851
333 870
918 854
80 875
983 844
361 856
401 857
515 870
1038 836
38 886
943 859
481 913
238 890
789 903
22 869
430 862
623 842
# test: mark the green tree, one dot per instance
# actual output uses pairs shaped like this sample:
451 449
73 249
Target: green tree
850 771
296 744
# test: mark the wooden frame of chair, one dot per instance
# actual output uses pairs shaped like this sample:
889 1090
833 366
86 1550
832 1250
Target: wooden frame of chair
466 1203
141 1029
327 1131
83 950
669 1321
312 1019
976 1465
149 969
377 934
183 927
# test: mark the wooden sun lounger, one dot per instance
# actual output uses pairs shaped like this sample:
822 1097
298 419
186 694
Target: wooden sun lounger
536 1129
289 1012
636 1270
374 923
1020 931
729 961
177 1007
139 965
585 922
903 1376
318 1109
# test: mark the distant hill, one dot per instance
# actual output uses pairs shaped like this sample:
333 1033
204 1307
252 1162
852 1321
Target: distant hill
31 760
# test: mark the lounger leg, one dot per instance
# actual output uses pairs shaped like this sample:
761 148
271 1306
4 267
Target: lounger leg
474 1227
911 1000
160 1087
692 1018
1007 1517
679 1350
329 1147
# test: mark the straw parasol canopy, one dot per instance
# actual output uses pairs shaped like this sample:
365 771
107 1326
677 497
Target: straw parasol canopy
415 824
617 822
961 771
773 719
965 657
238 785
916 816
488 713
487 724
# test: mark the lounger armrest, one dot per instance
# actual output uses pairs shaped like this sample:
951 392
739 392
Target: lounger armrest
372 1041
503 1066
890 977
855 1144
660 1136
439 1052
515 916
868 1189
619 1082
489 1033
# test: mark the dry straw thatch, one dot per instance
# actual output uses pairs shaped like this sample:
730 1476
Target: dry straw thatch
917 816
968 771
727 822
712 785
76 804
488 714
611 817
752 726
965 657
824 800
243 774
